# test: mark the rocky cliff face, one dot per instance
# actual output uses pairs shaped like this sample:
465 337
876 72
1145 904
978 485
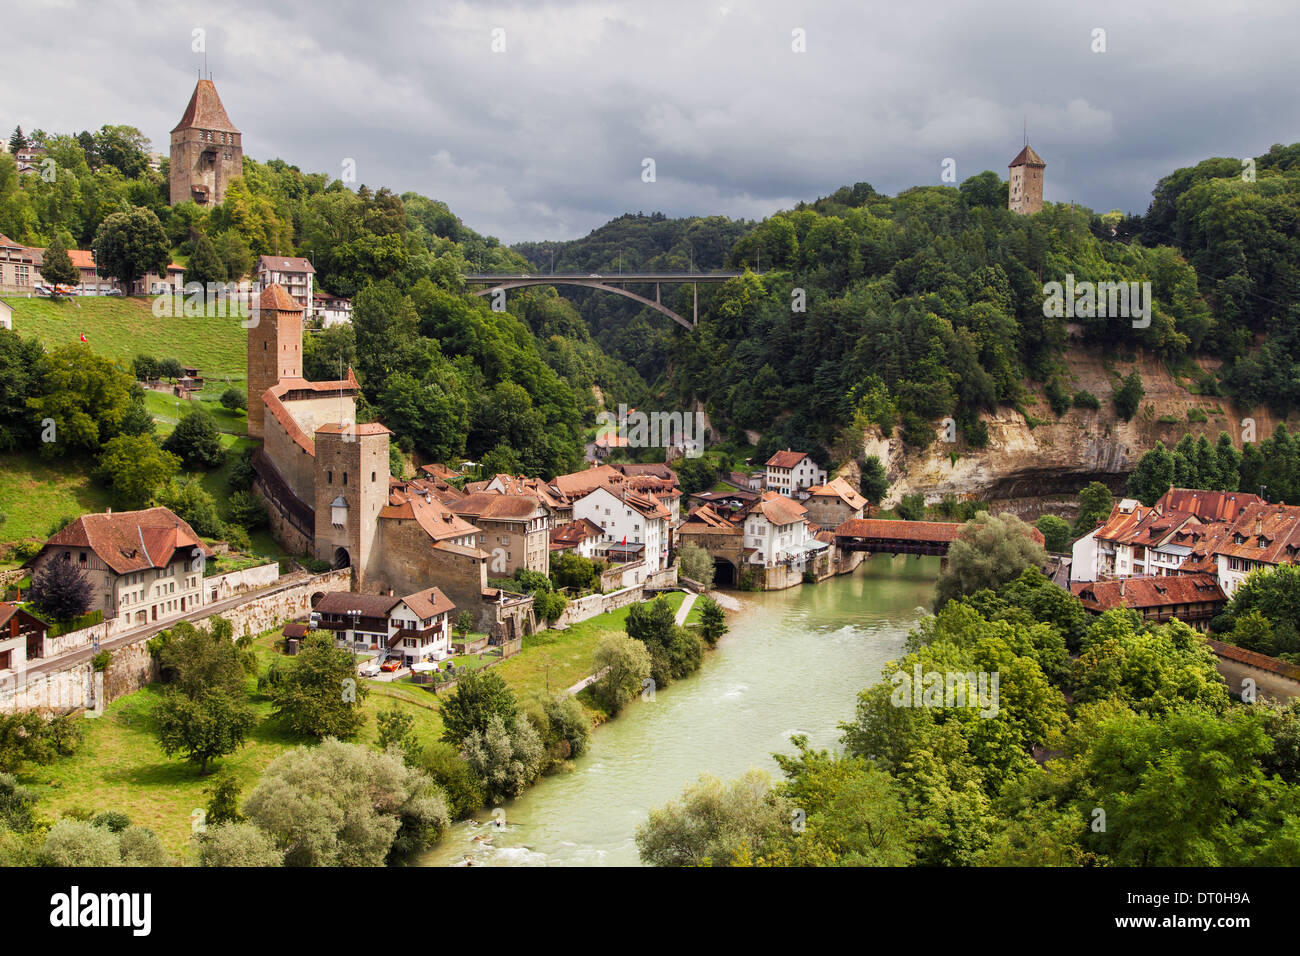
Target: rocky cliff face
1058 456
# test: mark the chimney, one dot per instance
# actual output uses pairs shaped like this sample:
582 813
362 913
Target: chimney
1259 524
1121 588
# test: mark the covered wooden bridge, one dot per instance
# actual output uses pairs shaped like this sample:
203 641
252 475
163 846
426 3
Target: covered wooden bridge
879 536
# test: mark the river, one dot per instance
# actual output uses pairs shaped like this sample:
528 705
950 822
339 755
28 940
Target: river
793 662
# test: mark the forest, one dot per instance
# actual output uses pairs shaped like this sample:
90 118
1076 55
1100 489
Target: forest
861 308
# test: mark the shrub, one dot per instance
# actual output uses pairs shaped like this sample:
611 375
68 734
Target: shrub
1056 532
237 844
1058 398
196 440
1128 396
549 605
233 399
61 590
448 769
696 563
1085 399
506 758
624 664
246 510
911 507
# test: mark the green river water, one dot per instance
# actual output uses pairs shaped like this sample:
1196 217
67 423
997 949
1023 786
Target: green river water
793 662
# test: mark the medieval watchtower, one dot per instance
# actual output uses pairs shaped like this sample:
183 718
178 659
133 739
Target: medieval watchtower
274 350
351 489
1025 195
206 152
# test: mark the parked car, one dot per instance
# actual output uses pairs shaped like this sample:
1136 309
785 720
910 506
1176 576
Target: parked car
113 292
392 664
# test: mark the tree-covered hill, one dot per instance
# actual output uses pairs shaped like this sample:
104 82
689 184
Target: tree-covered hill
931 303
896 311
450 375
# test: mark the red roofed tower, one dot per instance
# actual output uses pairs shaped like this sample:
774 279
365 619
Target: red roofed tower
1025 188
206 150
274 350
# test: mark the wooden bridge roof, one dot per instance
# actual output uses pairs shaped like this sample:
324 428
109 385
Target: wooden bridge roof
939 532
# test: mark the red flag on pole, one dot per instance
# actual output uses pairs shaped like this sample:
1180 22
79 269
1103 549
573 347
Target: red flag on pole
624 539
83 336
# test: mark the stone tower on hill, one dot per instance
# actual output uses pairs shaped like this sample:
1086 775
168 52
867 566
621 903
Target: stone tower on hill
206 152
274 350
351 490
1026 182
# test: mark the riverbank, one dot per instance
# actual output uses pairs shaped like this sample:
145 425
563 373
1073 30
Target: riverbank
120 765
792 662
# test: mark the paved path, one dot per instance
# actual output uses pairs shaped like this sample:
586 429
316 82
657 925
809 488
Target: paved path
586 682
145 631
685 609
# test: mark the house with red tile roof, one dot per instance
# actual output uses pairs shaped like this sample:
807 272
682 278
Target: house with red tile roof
294 274
792 473
1191 598
413 628
1263 536
516 530
778 534
634 526
20 272
143 566
1160 540
22 637
833 503
581 537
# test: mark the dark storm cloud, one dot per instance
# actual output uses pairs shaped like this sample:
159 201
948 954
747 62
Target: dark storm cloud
546 139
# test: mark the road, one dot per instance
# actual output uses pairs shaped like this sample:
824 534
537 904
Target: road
145 631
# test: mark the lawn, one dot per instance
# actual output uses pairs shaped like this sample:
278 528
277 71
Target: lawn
123 327
35 492
167 409
120 765
556 660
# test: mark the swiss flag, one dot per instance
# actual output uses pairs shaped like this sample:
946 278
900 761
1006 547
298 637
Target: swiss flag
83 337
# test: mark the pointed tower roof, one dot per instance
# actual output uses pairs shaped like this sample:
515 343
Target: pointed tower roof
1027 157
205 111
275 298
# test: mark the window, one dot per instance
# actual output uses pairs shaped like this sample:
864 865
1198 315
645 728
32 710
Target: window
345 477
329 477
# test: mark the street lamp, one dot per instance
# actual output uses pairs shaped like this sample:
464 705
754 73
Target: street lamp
354 615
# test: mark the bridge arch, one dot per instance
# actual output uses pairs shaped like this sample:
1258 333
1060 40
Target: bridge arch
595 284
616 284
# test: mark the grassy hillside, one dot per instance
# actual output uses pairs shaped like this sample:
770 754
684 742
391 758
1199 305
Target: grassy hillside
36 492
121 766
122 328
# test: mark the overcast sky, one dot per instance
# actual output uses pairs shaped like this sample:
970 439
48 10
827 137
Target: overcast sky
545 140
